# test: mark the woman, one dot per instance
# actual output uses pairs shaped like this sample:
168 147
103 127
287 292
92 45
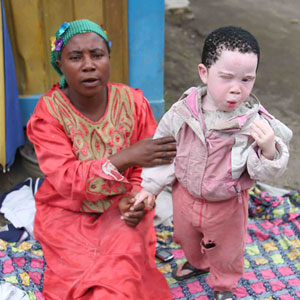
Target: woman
89 136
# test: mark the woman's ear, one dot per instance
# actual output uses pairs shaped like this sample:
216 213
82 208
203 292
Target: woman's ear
58 63
203 72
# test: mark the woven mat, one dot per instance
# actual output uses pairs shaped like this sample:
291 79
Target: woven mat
272 256
272 253
22 264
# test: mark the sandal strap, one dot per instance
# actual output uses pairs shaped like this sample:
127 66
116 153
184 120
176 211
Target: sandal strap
188 266
222 295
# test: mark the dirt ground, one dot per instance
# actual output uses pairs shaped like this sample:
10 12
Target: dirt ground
276 25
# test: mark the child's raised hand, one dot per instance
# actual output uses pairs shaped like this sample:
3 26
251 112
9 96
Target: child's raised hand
264 136
145 195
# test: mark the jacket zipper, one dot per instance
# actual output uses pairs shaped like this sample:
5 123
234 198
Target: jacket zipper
239 196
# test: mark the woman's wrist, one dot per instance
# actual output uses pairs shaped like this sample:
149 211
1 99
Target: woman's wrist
121 160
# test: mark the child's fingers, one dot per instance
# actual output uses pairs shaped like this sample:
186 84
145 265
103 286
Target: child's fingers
254 134
256 129
138 206
131 200
150 201
141 196
262 127
261 131
138 200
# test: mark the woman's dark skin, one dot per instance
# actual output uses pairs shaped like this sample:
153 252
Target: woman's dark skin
85 63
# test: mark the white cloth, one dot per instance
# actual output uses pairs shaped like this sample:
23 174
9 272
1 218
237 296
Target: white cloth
164 208
18 207
10 292
273 191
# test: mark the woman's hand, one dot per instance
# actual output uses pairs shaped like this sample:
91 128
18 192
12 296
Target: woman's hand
131 215
151 152
146 153
264 136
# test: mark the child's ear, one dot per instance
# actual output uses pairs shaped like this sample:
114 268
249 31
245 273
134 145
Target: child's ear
202 70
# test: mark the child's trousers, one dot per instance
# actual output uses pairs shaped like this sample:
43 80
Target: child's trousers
212 235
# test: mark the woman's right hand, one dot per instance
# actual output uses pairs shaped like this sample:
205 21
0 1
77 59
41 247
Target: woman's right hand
146 153
151 152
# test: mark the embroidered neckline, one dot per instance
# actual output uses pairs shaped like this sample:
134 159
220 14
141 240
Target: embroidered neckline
78 113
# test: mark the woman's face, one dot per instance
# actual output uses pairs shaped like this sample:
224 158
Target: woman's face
85 62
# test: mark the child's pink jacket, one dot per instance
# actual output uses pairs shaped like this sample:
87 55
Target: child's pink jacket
220 163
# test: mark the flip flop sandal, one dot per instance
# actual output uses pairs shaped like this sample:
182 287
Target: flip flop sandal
188 266
223 295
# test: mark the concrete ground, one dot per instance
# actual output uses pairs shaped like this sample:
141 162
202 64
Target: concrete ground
275 24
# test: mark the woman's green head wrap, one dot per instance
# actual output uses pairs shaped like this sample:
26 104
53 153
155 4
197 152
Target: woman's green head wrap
64 33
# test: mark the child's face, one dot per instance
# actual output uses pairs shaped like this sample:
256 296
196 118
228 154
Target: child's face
229 80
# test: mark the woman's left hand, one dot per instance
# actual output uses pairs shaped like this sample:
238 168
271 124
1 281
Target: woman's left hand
131 215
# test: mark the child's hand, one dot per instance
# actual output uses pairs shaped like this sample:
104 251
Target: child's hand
143 195
132 215
264 136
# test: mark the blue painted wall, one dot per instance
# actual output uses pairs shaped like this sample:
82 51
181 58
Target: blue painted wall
146 26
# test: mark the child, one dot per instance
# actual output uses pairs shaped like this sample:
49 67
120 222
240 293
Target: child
225 141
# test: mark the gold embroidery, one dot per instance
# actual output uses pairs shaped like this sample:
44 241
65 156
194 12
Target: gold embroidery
98 206
95 140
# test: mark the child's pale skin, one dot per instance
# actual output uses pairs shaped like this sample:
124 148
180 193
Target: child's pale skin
229 83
